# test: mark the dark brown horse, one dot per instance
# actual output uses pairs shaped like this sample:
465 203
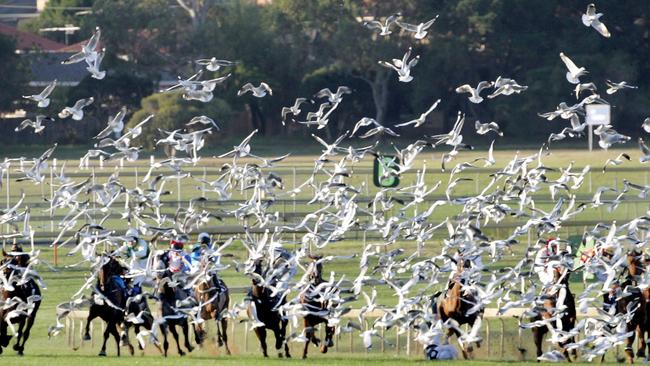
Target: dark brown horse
109 300
639 321
310 321
265 308
212 292
27 298
168 296
568 319
456 305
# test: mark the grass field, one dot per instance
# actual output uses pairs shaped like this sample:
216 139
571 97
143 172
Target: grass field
61 285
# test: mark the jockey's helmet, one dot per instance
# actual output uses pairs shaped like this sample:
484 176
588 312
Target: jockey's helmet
204 238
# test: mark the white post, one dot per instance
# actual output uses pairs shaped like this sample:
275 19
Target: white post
591 137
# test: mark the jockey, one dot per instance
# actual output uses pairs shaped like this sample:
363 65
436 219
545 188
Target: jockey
542 267
137 250
177 260
203 246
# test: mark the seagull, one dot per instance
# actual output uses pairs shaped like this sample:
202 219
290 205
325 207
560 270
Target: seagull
420 30
582 87
474 93
592 19
378 129
36 125
573 72
204 120
213 64
483 128
403 66
505 86
42 98
646 152
646 125
294 109
613 87
258 92
93 67
88 52
618 161
420 120
384 26
115 125
76 111
334 98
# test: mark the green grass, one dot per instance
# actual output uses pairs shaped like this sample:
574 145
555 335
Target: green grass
61 285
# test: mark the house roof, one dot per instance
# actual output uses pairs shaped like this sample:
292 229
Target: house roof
28 41
46 67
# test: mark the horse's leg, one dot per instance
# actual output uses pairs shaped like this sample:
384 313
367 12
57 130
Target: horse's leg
92 314
640 332
172 329
309 333
107 332
116 335
186 331
261 335
538 338
629 348
164 328
19 335
329 342
283 335
224 334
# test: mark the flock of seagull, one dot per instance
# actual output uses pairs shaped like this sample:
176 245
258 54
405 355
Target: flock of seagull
337 209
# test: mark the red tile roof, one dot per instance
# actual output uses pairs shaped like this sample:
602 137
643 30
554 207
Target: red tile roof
27 41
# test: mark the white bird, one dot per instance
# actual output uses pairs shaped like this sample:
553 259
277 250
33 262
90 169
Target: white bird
76 111
42 98
646 152
204 120
258 92
213 64
613 87
646 125
420 120
403 66
294 109
37 125
475 96
483 128
617 161
592 19
88 51
580 87
384 26
552 356
574 72
420 30
93 67
334 98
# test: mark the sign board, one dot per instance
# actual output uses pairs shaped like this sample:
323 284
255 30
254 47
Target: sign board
598 114
381 165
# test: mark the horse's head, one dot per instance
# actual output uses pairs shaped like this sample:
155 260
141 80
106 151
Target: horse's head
635 263
315 270
109 266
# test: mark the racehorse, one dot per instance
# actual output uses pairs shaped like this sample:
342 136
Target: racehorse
109 300
456 305
639 322
27 297
567 319
264 307
213 293
168 295
311 320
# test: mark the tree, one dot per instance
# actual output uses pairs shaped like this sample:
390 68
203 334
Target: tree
13 71
172 112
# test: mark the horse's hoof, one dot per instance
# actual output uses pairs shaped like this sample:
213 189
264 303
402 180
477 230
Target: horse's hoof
330 343
287 355
20 353
323 349
86 337
181 353
304 357
131 350
219 343
279 354
102 354
190 349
